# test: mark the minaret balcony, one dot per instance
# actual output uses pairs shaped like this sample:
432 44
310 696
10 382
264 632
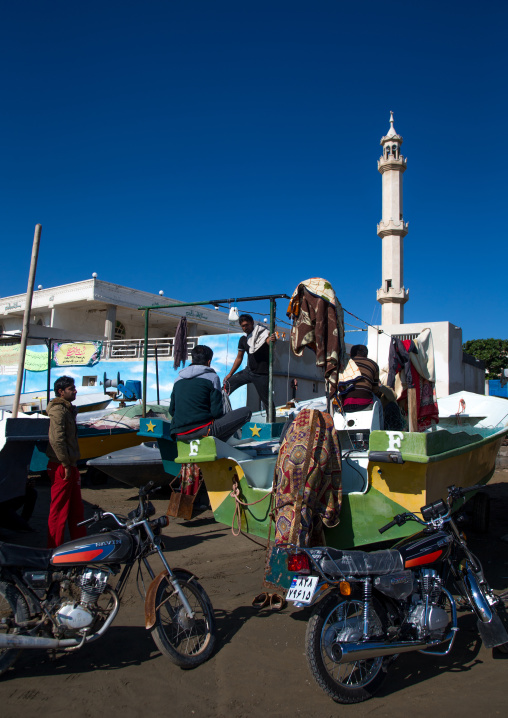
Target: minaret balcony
393 295
385 229
384 164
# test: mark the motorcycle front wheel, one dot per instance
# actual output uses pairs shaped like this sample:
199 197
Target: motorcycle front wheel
188 642
13 609
334 621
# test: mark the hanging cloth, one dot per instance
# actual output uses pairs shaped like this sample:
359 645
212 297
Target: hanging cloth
180 343
423 361
318 323
308 480
398 359
257 338
427 411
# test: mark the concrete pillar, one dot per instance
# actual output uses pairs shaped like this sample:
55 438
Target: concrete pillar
109 325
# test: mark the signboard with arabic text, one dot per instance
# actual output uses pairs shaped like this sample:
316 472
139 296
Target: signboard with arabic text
34 360
76 353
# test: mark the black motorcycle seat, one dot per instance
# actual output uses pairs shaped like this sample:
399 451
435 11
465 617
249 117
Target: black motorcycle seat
337 563
24 556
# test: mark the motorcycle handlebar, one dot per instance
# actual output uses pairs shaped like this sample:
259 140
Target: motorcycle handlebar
148 489
454 492
398 520
388 526
468 490
97 516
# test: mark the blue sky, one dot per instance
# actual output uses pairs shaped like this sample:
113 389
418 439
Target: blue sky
222 148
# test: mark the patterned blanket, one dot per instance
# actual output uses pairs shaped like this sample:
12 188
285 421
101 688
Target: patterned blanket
308 476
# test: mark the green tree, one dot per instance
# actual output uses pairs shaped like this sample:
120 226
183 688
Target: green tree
494 352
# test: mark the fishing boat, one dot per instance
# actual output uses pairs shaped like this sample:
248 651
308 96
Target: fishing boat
33 402
17 439
136 466
383 472
103 432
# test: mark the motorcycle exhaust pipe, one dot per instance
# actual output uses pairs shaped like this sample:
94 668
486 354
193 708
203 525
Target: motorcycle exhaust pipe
13 640
351 652
16 640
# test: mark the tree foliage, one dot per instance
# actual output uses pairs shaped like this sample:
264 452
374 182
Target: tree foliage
494 352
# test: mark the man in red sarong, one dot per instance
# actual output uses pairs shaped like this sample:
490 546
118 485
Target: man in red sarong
63 453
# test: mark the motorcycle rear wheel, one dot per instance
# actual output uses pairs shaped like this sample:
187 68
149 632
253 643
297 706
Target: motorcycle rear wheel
13 609
187 642
334 620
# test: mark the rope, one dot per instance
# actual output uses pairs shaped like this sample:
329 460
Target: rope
237 516
287 381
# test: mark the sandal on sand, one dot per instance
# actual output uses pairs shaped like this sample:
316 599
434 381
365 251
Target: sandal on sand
262 600
277 602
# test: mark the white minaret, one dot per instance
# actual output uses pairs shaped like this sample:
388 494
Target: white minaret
392 229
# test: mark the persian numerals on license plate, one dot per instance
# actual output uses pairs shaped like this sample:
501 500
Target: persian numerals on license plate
302 589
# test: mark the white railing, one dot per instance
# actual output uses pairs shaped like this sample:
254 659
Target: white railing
117 349
405 337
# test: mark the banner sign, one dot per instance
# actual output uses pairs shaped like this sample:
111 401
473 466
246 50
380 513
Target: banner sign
34 361
76 353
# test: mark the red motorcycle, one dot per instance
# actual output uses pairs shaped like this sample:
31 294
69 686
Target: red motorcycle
63 598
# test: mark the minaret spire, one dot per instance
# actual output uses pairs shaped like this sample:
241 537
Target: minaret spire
391 132
392 229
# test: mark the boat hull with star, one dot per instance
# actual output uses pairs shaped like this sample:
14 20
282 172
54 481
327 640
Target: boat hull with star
383 472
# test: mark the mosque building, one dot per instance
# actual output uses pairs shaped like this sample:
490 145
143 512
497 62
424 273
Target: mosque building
98 310
455 370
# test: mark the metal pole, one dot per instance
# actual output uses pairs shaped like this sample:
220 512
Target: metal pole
269 413
26 318
157 373
412 410
48 386
232 300
271 297
145 361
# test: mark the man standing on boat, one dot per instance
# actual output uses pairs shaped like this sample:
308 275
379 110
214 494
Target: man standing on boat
196 402
256 345
63 453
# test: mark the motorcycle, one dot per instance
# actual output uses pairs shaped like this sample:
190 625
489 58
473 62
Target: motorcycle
62 598
370 607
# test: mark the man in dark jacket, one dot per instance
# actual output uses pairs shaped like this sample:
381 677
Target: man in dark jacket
63 453
196 402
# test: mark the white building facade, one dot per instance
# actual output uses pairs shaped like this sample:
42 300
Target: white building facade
96 310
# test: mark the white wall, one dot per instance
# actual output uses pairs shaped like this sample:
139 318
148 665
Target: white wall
452 373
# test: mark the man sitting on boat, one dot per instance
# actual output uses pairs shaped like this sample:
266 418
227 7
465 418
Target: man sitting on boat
256 344
366 386
196 402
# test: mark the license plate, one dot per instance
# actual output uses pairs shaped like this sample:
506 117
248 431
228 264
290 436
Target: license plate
302 589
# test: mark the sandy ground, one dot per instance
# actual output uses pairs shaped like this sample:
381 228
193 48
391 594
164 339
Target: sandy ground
259 667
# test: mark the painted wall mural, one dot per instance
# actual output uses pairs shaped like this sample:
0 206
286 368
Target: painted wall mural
88 379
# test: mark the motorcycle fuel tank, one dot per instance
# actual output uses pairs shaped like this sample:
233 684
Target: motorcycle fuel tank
423 549
112 547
